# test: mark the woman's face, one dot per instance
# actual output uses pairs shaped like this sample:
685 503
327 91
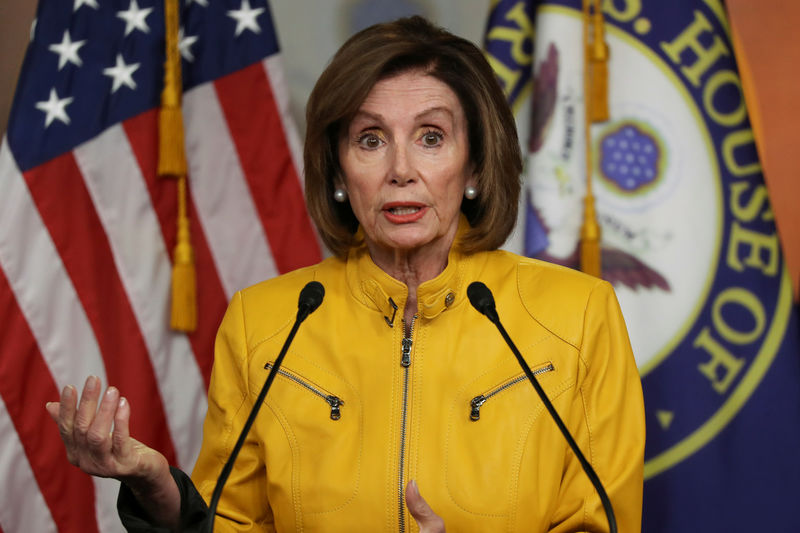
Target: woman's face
405 159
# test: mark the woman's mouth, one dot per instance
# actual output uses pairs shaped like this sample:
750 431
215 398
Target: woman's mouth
403 210
404 213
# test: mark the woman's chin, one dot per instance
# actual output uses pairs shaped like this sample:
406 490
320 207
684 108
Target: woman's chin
412 244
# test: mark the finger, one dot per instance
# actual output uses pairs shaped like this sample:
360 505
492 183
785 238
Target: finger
87 408
66 409
98 436
52 409
427 520
66 420
121 442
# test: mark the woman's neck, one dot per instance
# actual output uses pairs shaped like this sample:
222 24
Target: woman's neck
412 267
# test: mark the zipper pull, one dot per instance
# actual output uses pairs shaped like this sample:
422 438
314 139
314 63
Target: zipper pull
406 360
335 402
475 412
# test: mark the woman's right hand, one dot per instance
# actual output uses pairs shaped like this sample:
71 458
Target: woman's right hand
92 446
96 436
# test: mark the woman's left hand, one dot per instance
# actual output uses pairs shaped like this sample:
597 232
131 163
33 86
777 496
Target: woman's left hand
427 520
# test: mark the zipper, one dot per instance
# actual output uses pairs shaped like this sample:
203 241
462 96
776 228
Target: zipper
405 362
476 403
334 402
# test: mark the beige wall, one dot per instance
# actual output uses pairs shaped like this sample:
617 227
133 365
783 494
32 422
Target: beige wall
16 17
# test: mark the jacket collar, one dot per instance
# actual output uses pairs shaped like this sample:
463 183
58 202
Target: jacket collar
378 290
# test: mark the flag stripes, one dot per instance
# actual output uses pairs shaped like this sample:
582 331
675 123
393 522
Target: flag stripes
31 513
280 91
111 173
163 196
225 208
69 214
86 273
269 154
41 444
54 328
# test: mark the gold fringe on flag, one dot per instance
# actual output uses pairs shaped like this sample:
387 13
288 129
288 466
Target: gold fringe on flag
595 85
172 164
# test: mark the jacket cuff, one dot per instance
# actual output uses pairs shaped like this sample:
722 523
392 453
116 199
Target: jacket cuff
193 514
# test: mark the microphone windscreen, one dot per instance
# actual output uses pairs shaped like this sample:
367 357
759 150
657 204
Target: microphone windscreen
311 296
481 298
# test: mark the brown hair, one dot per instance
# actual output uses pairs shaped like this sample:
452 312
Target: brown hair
382 51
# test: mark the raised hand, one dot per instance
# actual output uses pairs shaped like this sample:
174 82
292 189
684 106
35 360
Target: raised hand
96 436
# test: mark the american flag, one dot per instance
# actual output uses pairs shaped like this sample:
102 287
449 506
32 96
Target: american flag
87 229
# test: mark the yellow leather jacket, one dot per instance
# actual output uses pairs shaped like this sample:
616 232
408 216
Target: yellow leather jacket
357 411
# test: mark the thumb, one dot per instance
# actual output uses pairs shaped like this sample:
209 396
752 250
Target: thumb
427 520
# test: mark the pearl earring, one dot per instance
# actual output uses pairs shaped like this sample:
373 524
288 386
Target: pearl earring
470 192
340 195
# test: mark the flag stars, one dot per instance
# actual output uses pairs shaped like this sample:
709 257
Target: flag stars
203 3
67 51
185 43
121 74
245 18
135 18
55 108
78 3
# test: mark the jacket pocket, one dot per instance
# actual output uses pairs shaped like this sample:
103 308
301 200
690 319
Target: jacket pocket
477 402
313 440
334 402
491 421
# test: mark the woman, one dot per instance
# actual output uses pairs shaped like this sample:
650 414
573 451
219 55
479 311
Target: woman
412 167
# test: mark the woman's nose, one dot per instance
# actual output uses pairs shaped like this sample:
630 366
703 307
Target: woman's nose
401 171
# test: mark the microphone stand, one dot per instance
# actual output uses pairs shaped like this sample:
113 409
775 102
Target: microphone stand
481 298
310 298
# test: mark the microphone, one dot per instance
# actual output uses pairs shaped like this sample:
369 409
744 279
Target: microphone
310 299
481 299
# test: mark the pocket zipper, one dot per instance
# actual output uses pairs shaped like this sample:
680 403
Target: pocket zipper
333 401
476 403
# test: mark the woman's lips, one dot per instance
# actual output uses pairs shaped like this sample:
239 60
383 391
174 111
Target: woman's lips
403 212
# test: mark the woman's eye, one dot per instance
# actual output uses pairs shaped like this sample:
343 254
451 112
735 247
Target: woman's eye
432 138
370 140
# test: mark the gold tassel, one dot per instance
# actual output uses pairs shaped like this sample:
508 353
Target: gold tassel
184 285
172 164
171 155
590 239
171 158
591 257
598 66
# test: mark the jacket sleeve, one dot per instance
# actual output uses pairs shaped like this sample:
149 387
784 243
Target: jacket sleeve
194 511
607 421
244 505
